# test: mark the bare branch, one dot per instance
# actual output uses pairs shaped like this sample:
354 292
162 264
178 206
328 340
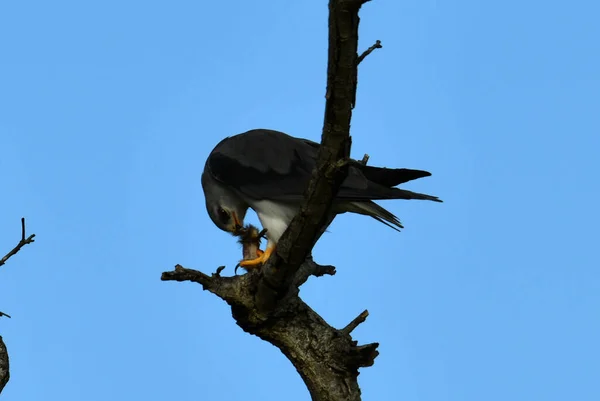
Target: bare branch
218 272
310 268
4 314
182 274
354 323
377 45
236 289
265 301
24 241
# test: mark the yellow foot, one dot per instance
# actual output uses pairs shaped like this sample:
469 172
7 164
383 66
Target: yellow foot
260 260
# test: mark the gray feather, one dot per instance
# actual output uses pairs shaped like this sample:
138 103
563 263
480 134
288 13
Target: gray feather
266 164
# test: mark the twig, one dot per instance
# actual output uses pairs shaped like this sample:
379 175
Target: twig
24 241
377 45
218 272
182 274
310 268
4 314
354 323
226 288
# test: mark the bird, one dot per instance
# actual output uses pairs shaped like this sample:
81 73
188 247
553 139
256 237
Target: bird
268 171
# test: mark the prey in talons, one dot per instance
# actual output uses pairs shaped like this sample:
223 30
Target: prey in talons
253 256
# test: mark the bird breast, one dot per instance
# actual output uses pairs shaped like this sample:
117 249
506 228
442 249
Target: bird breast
274 216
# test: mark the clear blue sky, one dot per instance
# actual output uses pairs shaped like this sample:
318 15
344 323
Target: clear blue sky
108 110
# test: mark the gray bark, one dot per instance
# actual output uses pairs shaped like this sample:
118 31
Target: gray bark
4 366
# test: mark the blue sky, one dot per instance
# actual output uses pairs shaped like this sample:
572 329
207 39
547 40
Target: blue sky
109 109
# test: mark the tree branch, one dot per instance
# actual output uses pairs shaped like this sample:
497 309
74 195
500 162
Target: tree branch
377 45
326 358
265 301
24 241
310 268
354 323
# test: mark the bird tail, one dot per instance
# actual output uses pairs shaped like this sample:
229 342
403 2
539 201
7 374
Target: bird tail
382 215
375 211
375 183
397 193
391 177
365 184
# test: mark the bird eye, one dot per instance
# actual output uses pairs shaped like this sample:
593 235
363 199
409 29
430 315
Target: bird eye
223 215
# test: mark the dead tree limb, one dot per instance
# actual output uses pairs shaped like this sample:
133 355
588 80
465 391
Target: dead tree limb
24 241
4 365
370 50
265 302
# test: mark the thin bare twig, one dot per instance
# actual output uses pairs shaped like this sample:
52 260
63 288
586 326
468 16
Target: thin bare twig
182 274
218 272
4 314
377 45
24 241
354 323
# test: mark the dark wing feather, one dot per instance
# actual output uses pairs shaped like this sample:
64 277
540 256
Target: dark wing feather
390 177
375 183
264 164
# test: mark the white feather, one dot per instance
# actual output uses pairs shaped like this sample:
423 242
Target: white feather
275 217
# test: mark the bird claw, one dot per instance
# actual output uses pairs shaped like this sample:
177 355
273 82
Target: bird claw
259 254
247 268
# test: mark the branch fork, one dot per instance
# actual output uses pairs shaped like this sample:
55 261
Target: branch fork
24 241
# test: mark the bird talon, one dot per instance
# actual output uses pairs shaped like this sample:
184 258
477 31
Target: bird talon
258 261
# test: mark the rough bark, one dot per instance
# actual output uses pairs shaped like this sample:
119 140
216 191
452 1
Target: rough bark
4 366
326 358
4 371
266 302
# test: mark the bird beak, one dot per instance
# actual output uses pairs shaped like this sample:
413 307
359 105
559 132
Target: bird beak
237 223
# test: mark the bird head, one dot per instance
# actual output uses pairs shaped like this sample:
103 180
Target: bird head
225 208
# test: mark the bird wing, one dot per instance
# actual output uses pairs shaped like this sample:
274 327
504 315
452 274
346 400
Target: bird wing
264 164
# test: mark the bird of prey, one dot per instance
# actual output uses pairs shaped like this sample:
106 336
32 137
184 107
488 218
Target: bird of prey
268 171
